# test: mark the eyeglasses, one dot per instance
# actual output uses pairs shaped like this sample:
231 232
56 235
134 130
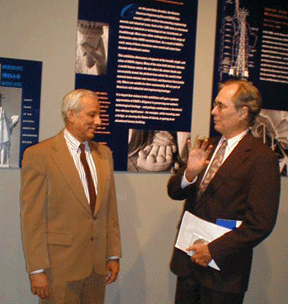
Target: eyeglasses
221 106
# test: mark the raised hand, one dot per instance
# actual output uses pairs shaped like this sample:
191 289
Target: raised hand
198 158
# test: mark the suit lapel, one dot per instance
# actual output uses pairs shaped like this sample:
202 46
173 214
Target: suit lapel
234 160
66 166
101 168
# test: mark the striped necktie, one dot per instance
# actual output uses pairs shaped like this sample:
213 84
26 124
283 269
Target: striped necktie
216 163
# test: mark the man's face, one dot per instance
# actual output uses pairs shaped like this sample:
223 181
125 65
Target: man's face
228 120
84 123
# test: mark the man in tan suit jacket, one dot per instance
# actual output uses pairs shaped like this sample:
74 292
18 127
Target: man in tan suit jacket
70 251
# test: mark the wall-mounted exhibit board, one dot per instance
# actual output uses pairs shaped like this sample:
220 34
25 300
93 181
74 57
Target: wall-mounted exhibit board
20 91
139 57
252 44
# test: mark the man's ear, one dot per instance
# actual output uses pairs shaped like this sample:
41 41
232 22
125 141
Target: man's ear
71 116
244 112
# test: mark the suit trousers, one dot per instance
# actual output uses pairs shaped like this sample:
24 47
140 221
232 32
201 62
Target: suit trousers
190 291
90 290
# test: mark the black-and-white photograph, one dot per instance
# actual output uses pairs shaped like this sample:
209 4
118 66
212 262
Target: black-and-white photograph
92 48
10 113
271 127
156 151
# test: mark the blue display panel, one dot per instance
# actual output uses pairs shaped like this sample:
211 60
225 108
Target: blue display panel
139 57
252 44
20 92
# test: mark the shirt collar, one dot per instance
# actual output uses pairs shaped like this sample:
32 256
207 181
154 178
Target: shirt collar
73 142
232 142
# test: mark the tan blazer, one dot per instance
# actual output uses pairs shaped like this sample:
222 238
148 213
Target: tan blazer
59 232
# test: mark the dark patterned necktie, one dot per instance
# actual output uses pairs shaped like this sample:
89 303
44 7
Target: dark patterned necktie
216 163
90 183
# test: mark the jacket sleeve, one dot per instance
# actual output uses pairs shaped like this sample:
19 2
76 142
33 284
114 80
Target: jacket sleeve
113 233
33 210
174 187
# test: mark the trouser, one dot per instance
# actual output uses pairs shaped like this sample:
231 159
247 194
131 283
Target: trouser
191 291
90 290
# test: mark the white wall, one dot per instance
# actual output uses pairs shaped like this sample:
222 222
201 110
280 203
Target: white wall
46 31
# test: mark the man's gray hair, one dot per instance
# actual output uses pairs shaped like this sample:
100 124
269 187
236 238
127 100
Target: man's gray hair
246 95
72 101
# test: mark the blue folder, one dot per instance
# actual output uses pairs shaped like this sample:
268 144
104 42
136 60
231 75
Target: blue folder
227 223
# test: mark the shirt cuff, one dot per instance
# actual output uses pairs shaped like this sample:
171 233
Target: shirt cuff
113 258
185 183
37 271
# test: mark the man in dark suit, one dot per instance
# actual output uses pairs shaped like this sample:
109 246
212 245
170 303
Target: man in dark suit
69 218
245 188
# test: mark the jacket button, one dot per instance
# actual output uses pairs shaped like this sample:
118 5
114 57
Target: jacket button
92 239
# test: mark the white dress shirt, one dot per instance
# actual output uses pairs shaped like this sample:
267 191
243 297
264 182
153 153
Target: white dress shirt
74 149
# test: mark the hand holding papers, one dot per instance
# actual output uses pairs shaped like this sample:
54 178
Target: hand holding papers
194 230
